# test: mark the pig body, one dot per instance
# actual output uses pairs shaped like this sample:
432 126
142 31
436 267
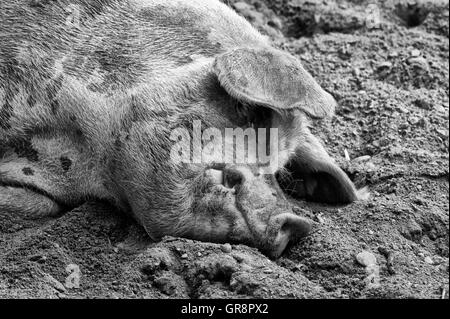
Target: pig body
91 91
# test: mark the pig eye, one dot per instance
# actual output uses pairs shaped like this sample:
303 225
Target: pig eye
244 113
253 116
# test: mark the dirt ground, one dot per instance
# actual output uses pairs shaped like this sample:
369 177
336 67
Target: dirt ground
389 73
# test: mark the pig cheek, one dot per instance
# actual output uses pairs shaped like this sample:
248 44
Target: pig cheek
256 195
240 232
230 222
233 219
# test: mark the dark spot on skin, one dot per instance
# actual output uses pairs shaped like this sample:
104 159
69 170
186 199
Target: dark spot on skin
66 163
182 21
28 171
90 7
117 66
136 113
109 61
185 60
31 101
96 7
24 148
54 106
39 3
79 133
94 88
93 8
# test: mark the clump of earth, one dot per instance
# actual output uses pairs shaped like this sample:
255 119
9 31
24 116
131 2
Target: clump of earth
387 65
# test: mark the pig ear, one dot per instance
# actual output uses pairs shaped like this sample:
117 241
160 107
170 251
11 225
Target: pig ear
272 78
313 175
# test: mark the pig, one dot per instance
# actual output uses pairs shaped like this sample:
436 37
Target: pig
91 92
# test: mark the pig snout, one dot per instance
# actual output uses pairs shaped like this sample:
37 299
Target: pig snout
267 221
285 228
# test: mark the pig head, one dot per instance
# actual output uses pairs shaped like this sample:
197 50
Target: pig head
92 115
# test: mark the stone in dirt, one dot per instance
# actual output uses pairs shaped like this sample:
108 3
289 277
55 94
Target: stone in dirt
226 248
373 278
366 259
73 280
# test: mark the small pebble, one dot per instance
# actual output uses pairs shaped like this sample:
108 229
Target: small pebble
184 256
319 218
366 258
429 260
239 258
373 278
38 258
414 120
241 6
347 156
418 62
370 167
73 279
393 54
439 108
246 267
226 248
363 158
415 53
384 65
